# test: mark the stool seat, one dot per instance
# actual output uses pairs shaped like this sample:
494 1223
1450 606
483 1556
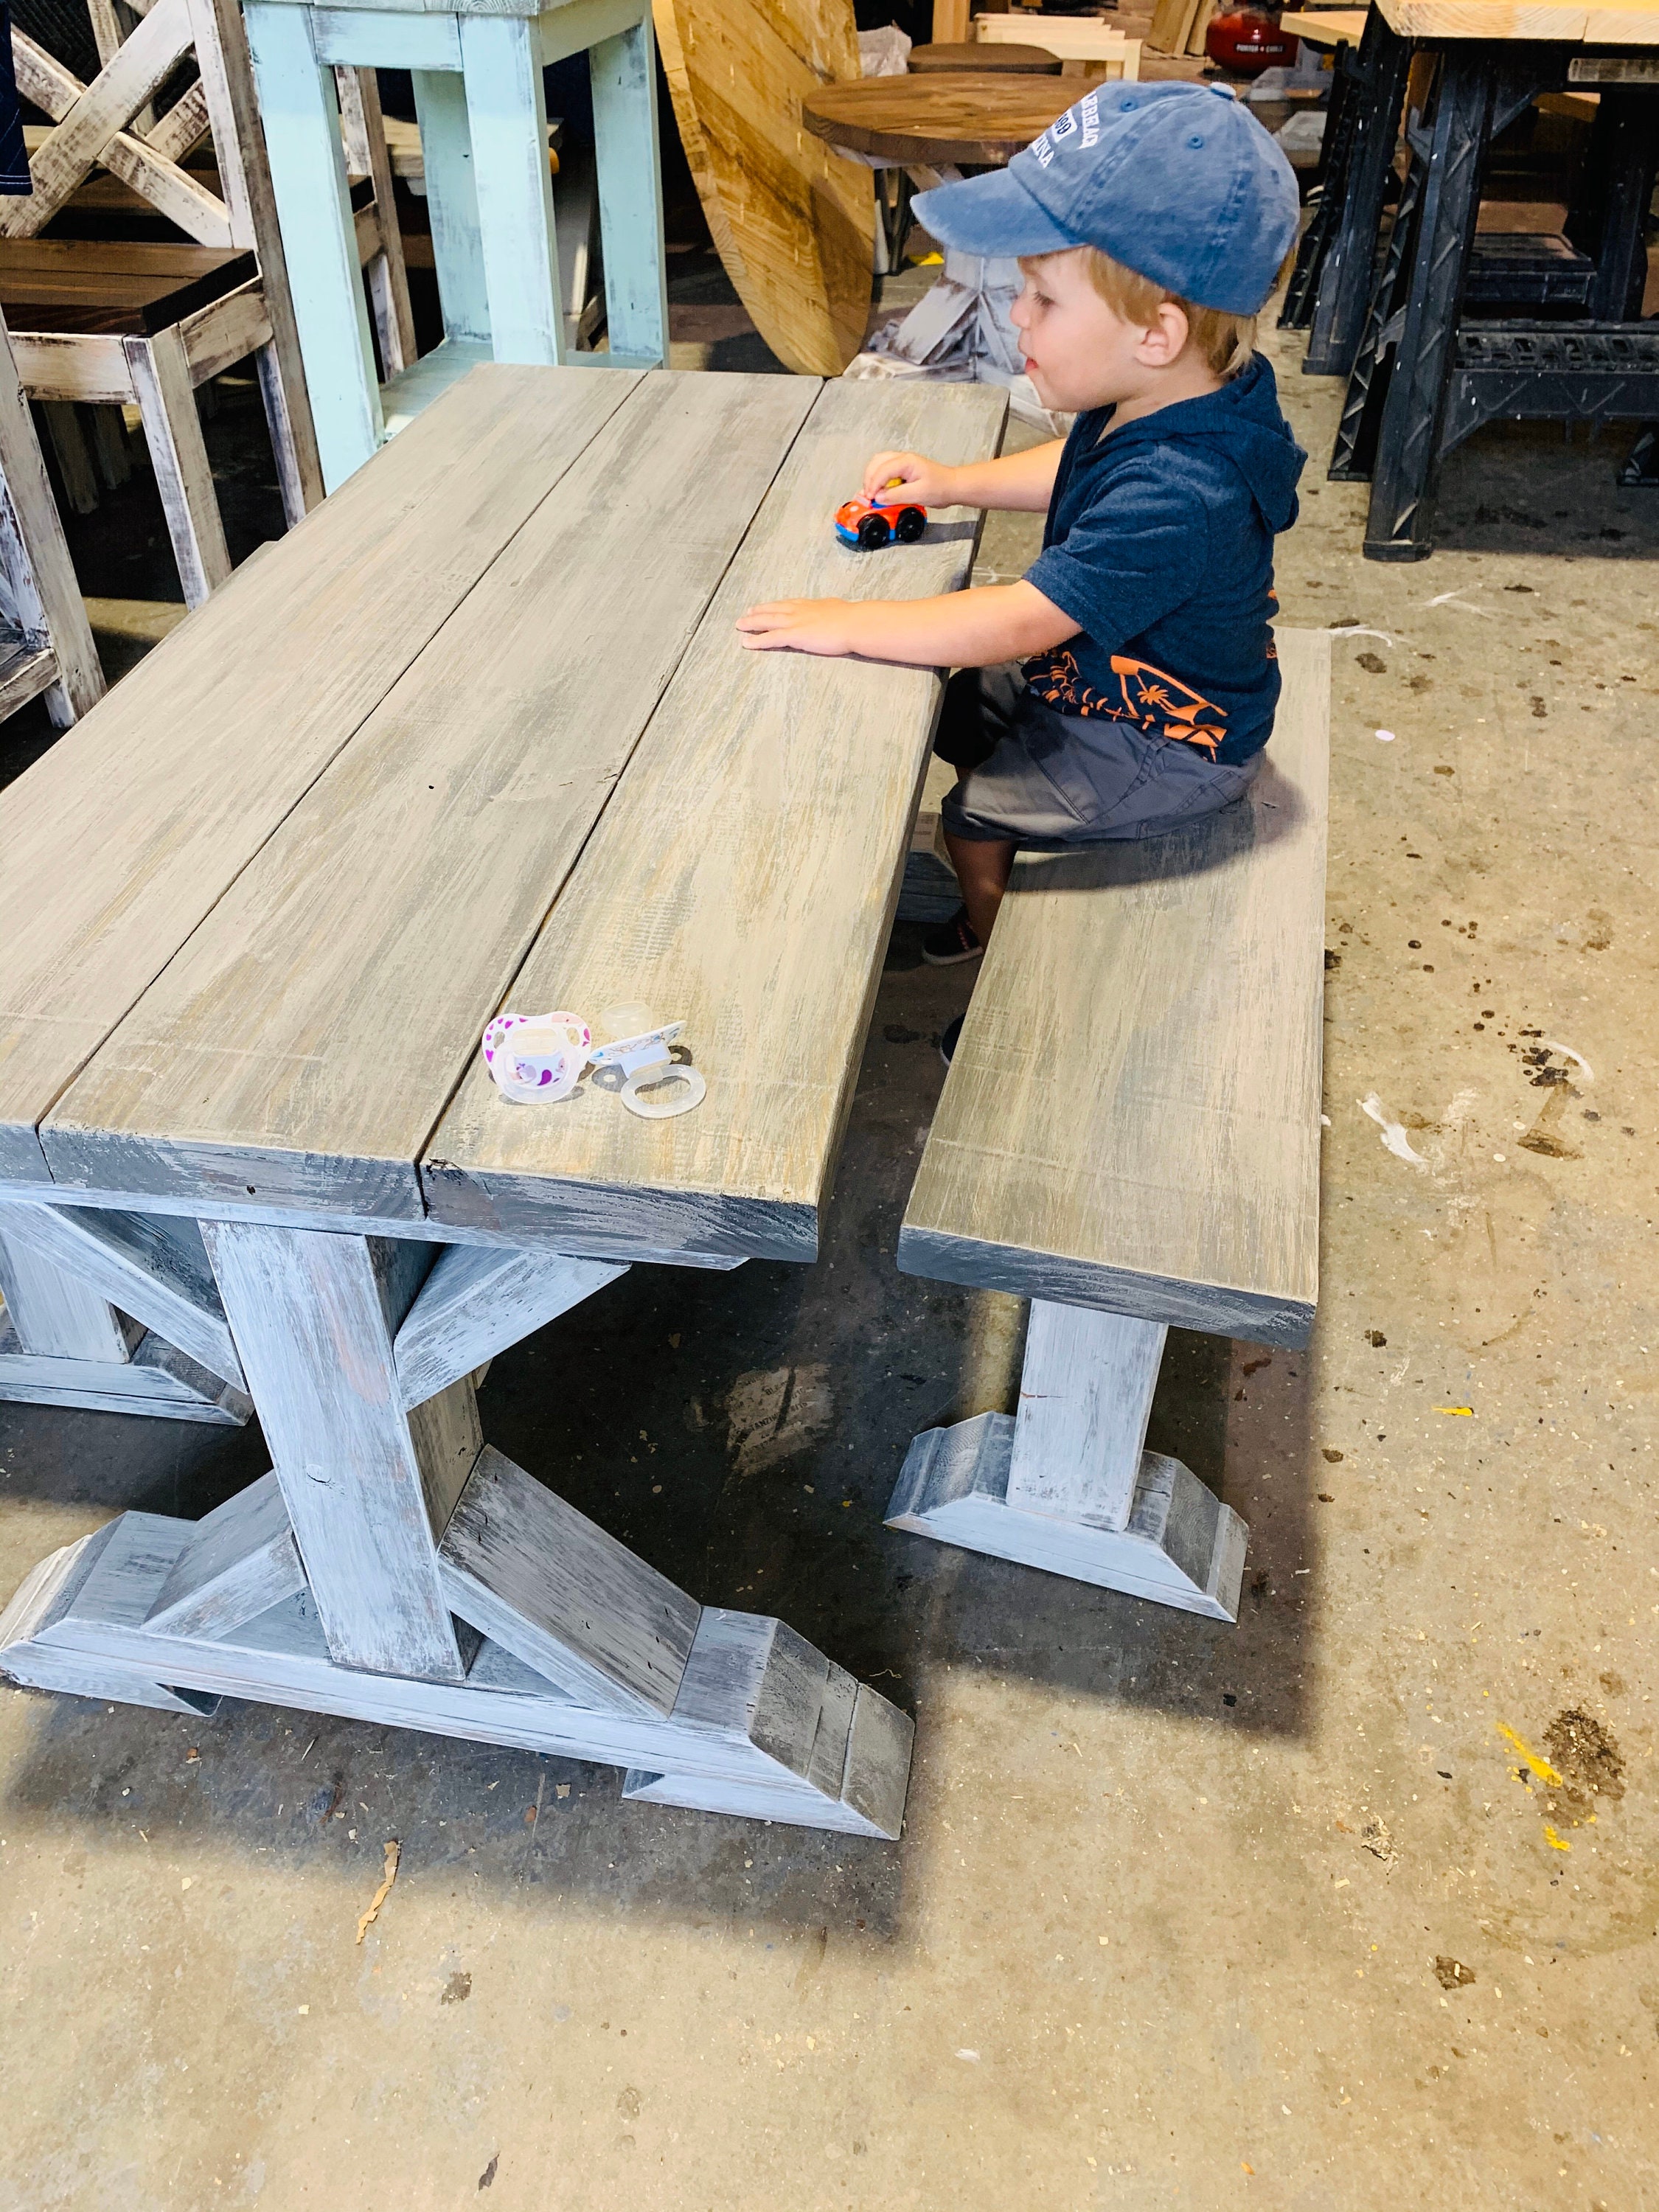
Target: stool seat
974 118
113 287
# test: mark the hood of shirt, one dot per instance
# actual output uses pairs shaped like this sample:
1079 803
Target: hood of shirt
1242 424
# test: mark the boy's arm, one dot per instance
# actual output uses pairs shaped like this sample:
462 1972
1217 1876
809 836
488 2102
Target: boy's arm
960 630
1019 482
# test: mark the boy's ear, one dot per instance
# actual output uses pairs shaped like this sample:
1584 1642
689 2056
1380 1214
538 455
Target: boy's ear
1166 337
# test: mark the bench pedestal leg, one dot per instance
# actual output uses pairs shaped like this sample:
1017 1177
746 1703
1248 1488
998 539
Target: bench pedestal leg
394 1568
1066 1486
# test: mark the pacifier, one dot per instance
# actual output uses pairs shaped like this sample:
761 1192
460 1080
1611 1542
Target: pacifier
536 1057
656 1087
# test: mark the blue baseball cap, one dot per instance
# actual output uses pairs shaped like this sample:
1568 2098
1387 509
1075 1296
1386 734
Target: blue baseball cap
1176 181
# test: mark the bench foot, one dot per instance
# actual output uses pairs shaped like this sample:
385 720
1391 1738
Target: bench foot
1180 1545
762 1726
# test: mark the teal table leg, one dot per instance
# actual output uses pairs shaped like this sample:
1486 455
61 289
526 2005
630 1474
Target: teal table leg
625 79
452 199
301 119
501 59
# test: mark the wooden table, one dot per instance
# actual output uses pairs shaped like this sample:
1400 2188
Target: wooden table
478 70
478 733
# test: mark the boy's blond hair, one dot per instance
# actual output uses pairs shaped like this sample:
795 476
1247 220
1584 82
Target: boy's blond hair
1225 341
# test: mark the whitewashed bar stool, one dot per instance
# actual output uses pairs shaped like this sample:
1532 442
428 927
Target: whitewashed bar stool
478 70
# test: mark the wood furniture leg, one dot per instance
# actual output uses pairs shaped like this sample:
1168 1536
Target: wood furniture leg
34 561
623 71
388 281
302 118
65 1342
506 118
451 198
172 429
1066 1486
391 1568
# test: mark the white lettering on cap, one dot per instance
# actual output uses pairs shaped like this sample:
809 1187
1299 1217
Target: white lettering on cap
1043 150
1090 104
1063 125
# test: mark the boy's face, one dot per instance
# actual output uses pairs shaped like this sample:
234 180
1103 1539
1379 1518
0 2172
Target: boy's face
1079 353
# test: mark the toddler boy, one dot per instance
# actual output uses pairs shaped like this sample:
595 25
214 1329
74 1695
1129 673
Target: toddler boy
1127 683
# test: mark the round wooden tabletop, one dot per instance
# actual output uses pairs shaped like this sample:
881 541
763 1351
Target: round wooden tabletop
973 119
984 60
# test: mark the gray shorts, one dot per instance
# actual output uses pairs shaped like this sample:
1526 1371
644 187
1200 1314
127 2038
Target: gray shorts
1053 780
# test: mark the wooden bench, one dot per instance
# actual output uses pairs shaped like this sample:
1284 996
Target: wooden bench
1129 1137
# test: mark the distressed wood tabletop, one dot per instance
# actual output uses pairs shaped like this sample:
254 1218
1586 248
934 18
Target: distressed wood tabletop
479 734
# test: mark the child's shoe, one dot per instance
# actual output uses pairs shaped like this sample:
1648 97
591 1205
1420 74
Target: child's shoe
948 942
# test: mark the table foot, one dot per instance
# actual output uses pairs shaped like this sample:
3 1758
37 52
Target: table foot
761 1724
1180 1545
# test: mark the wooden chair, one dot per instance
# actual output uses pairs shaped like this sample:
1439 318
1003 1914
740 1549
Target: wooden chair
107 362
45 641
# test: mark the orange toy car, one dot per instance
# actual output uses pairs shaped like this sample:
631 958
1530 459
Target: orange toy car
869 525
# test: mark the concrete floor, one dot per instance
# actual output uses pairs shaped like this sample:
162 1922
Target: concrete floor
1290 1915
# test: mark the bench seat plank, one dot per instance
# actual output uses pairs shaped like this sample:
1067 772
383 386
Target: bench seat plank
386 915
743 878
1130 1120
117 843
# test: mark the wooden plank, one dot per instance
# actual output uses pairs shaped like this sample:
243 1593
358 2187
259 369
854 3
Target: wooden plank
138 70
794 222
1151 1149
565 1598
158 1379
216 338
1086 1392
35 557
476 1302
743 877
55 1313
356 1471
182 127
153 1267
938 118
402 892
62 364
1634 23
173 431
25 671
118 841
358 38
242 1560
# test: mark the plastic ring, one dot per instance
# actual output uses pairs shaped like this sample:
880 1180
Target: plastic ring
685 1078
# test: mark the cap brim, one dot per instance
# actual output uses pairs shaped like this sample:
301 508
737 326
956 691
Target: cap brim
992 215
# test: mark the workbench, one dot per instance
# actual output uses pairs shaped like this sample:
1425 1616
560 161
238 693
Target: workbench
1440 335
478 734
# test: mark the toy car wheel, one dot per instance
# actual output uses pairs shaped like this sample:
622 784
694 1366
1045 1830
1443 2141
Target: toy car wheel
874 533
911 524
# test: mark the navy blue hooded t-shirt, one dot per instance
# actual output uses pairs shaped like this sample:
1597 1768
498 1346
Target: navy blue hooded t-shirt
1159 541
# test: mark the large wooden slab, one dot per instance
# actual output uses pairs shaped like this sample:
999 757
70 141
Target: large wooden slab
303 1045
981 118
743 877
1631 23
1130 1120
795 223
118 842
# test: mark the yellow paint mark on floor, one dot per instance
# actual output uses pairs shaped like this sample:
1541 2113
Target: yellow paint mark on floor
1468 1410
1556 1843
1540 1767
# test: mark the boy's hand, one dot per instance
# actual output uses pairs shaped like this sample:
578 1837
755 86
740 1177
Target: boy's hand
800 626
930 483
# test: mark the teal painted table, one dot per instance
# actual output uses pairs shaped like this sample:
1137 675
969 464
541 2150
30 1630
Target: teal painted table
477 71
